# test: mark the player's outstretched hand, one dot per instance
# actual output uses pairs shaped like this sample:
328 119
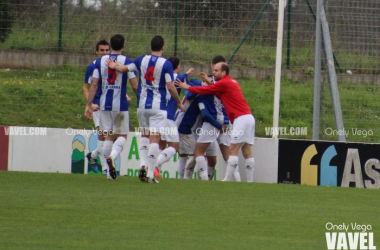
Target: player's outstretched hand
180 84
88 112
111 63
205 78
190 72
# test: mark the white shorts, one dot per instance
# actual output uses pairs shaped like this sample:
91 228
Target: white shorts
225 138
170 134
207 133
212 150
243 130
153 120
187 144
96 118
115 121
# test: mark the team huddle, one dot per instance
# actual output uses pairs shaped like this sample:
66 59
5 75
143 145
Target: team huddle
213 114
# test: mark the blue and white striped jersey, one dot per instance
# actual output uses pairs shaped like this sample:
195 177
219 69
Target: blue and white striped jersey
155 72
171 103
113 83
214 107
189 120
88 79
219 105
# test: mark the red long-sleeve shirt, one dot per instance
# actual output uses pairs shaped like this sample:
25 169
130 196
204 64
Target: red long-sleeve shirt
229 92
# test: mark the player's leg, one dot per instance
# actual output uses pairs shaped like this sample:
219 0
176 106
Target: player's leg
100 148
181 165
120 130
172 138
186 149
144 140
233 161
211 163
206 135
189 168
247 148
106 126
157 123
242 134
92 156
211 155
249 161
201 163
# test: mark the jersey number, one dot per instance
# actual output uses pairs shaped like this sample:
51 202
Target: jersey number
149 75
111 76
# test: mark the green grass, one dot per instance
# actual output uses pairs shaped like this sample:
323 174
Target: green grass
52 97
69 211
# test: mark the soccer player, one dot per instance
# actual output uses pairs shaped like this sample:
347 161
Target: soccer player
213 123
171 137
188 121
156 77
102 48
224 137
114 115
243 123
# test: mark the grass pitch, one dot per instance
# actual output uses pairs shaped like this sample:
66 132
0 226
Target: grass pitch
70 211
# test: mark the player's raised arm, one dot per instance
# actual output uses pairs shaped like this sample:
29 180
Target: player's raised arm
205 78
190 71
114 65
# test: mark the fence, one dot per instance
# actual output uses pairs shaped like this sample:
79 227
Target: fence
245 32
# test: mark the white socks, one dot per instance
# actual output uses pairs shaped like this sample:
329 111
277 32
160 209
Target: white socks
181 167
143 150
107 148
237 175
117 147
152 159
97 151
102 158
189 169
249 168
232 164
202 167
165 156
210 172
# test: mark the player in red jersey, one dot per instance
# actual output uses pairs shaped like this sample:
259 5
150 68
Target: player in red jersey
243 123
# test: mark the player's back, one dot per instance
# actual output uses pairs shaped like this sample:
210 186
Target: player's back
154 72
187 120
113 83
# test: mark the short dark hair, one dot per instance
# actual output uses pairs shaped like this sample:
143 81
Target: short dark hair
117 42
157 43
101 42
175 61
224 67
218 59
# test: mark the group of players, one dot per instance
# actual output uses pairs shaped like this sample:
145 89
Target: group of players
213 114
